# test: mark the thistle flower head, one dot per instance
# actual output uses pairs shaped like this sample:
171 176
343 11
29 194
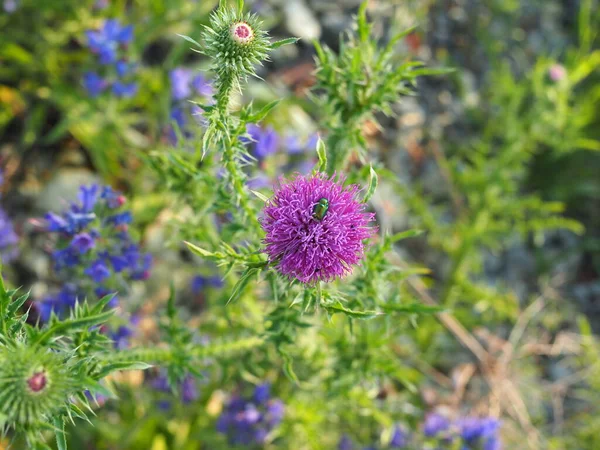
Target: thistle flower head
316 228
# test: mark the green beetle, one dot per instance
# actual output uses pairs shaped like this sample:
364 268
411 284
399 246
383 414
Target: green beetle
321 209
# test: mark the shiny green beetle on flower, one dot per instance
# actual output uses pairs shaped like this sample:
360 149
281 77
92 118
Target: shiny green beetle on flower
321 209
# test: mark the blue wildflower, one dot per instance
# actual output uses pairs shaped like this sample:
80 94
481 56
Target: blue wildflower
125 90
8 238
435 424
93 239
105 41
123 218
345 443
123 68
265 141
121 337
245 422
181 79
262 393
398 439
98 271
94 84
83 242
202 86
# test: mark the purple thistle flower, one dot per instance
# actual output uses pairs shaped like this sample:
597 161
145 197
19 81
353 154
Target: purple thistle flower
94 83
310 249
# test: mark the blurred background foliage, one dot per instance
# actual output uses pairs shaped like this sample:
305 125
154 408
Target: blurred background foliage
497 163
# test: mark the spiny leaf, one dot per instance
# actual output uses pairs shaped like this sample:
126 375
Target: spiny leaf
414 308
337 307
189 39
245 278
283 42
199 251
264 198
373 182
322 154
122 365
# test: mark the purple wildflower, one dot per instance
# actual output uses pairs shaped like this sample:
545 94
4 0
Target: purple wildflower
202 86
124 68
398 439
345 443
262 393
200 282
94 83
180 83
311 249
435 424
83 242
265 140
245 421
125 90
8 238
105 41
10 6
189 389
121 337
98 271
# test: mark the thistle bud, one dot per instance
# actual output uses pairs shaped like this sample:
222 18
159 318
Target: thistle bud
236 43
34 384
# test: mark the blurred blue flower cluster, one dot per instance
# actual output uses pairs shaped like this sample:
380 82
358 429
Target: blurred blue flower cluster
188 389
95 254
184 86
468 433
8 237
247 421
109 44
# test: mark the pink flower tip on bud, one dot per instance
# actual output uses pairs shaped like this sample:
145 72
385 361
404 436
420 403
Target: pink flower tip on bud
37 382
557 72
242 33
